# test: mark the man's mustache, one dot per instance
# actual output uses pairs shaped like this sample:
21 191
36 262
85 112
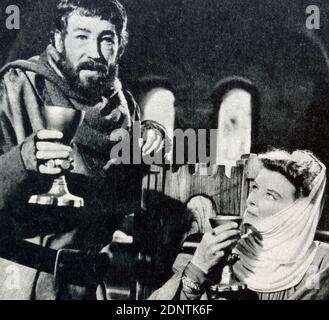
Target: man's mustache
94 66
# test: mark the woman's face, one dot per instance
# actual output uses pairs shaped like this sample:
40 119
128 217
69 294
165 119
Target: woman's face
270 193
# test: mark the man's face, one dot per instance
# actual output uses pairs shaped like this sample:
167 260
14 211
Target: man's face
91 48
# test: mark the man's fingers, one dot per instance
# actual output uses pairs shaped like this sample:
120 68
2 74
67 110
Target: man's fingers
47 155
51 146
150 139
51 171
155 145
140 142
54 53
49 134
161 146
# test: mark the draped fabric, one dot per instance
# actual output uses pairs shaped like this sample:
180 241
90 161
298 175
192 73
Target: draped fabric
280 260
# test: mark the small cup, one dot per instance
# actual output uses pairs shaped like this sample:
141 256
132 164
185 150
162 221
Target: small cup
220 220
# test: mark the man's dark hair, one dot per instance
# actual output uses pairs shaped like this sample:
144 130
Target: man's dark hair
110 10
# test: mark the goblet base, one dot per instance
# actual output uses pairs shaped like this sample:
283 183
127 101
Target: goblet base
228 284
233 287
58 195
66 200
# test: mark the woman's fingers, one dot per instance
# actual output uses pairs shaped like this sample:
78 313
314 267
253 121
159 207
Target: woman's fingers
224 245
224 227
226 235
214 245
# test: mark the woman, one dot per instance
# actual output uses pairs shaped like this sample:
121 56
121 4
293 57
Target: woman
279 258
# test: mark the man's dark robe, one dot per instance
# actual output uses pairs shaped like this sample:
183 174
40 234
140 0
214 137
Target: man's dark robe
25 88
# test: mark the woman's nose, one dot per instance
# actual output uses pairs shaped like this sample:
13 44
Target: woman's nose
252 199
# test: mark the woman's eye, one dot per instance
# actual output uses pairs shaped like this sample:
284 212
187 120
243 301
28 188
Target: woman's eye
254 187
270 196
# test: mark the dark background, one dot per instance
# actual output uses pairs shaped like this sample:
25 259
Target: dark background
196 43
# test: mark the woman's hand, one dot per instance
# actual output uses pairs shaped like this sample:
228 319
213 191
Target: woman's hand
212 248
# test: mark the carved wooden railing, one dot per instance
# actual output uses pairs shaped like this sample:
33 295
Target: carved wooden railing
160 225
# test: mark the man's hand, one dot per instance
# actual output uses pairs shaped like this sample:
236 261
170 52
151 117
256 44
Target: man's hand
43 146
152 142
212 248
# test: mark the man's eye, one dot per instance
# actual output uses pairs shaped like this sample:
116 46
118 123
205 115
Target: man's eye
81 37
270 196
108 40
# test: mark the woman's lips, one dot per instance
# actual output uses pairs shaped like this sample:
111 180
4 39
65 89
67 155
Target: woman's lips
251 213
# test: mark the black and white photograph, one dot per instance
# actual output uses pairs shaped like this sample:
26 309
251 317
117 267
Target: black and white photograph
157 150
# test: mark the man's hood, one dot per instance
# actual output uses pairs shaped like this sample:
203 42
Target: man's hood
46 65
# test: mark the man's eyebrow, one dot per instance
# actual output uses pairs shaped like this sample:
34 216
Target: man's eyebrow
108 32
275 192
82 29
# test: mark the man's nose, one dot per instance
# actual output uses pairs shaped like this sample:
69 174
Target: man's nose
93 49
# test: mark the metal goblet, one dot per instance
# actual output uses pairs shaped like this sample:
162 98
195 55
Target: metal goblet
67 121
228 282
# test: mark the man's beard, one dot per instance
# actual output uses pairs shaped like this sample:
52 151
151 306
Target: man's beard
92 87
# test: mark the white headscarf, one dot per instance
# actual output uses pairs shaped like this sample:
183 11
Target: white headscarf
280 260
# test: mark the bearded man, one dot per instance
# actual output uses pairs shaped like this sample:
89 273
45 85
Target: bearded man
50 252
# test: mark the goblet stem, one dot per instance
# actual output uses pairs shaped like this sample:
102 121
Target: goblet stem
58 195
59 186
